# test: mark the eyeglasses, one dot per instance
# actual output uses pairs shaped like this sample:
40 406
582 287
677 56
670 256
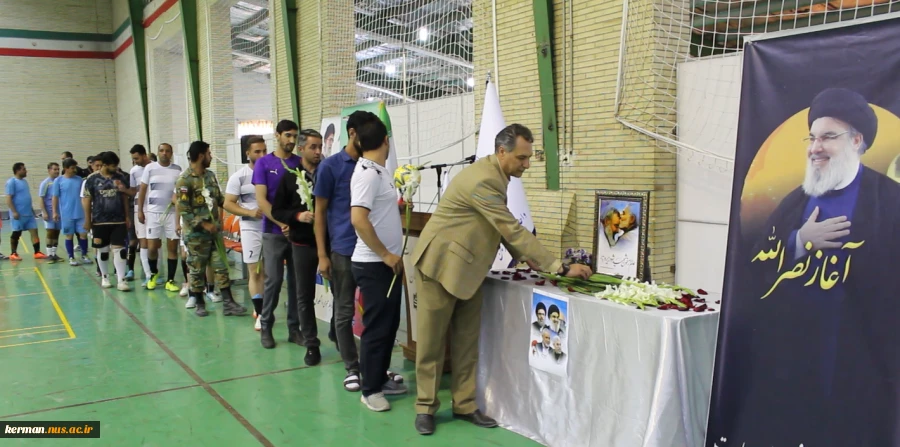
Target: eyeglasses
824 138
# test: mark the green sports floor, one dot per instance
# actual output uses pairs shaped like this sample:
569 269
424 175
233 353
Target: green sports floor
154 374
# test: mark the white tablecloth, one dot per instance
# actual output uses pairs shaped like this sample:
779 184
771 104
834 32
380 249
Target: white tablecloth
635 378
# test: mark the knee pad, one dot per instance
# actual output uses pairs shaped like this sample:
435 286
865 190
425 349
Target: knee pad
104 256
123 253
16 235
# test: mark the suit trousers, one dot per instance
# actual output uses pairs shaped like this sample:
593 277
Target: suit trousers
343 289
306 263
381 318
438 311
277 250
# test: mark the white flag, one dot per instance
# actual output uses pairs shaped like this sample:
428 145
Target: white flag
492 123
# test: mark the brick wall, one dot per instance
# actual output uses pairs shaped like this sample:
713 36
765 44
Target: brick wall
55 104
606 155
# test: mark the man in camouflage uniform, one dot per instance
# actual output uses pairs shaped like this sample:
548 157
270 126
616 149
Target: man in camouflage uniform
199 203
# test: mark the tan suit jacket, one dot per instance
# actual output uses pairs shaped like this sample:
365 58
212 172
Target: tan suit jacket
460 241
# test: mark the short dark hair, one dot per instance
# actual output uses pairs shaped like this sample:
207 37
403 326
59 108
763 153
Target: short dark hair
18 166
109 158
69 162
371 134
52 164
197 149
253 139
508 136
358 118
138 149
306 134
152 156
67 154
286 125
165 144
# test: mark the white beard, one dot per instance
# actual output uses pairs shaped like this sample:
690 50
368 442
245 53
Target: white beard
841 169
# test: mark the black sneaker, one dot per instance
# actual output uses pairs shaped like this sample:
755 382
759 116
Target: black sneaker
313 356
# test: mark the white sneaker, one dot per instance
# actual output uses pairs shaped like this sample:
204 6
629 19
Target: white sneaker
105 282
376 402
258 325
184 290
123 286
214 297
73 262
191 303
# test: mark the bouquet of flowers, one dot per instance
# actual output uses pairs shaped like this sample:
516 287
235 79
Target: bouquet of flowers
406 179
630 291
305 191
579 256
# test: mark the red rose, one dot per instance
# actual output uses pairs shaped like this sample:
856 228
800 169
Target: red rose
701 291
539 283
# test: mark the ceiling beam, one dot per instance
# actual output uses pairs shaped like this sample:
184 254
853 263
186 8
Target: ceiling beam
407 44
257 18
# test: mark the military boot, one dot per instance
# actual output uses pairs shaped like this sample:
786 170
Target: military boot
200 311
229 305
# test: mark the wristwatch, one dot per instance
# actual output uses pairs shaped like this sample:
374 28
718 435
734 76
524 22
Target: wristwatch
565 270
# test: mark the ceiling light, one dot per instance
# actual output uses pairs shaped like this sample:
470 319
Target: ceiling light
423 34
470 82
390 68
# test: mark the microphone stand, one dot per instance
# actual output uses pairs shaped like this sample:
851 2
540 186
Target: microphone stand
440 167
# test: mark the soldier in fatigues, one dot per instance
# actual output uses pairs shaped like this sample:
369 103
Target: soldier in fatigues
199 200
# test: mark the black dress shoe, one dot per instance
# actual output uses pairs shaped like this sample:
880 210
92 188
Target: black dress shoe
425 424
313 356
478 418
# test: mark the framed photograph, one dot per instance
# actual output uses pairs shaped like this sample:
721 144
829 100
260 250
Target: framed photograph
620 232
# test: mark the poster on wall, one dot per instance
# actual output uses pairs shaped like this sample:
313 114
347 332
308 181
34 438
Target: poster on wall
807 352
331 143
548 341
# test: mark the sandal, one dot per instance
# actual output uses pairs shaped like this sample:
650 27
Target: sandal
351 381
395 377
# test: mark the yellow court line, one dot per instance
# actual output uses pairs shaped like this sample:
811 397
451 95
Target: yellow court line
23 294
32 333
59 311
35 342
29 328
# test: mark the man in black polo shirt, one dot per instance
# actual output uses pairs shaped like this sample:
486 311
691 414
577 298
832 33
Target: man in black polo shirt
105 210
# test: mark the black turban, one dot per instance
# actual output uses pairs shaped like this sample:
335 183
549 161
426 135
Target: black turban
847 106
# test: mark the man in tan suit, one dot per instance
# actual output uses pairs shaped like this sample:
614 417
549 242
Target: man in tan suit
454 254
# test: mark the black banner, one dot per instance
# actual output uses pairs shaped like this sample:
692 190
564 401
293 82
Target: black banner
808 350
50 429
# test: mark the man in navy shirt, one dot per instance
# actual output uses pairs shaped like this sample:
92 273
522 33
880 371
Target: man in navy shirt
332 191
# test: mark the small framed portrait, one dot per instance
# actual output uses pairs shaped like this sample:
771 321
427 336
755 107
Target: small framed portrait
620 232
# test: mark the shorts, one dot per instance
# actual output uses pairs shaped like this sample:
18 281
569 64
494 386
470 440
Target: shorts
251 245
23 223
72 226
109 234
51 225
138 229
156 228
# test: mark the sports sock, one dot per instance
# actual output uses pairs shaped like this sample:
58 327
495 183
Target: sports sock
101 262
171 267
184 269
83 244
70 248
257 304
145 262
120 263
131 251
37 247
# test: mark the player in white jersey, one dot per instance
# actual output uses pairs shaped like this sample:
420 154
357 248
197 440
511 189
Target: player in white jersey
240 200
157 188
137 235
